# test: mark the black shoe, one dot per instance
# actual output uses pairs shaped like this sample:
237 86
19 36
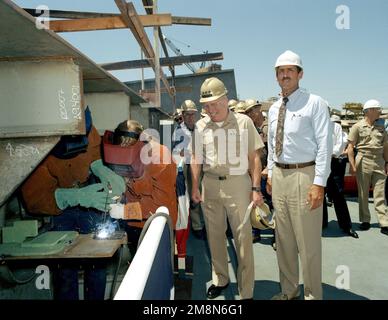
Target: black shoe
351 233
215 291
199 234
384 230
365 226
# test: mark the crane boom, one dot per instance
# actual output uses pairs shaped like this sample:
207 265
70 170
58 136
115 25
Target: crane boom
177 52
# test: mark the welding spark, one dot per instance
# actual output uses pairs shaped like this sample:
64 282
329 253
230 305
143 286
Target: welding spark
105 230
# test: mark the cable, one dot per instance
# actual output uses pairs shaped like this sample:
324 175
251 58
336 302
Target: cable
9 277
187 45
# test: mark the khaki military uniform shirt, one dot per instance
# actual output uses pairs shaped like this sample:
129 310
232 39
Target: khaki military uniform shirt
368 139
224 149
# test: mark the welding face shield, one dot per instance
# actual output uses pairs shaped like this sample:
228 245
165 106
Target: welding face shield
70 146
123 159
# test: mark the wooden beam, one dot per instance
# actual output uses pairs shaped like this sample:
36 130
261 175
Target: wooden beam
130 17
148 6
192 21
107 23
170 61
141 37
84 15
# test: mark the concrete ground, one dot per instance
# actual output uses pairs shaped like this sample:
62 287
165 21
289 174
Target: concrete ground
353 269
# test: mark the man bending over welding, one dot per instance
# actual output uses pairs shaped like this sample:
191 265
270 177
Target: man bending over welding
65 186
149 173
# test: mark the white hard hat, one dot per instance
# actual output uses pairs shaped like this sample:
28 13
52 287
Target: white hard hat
371 104
335 118
288 58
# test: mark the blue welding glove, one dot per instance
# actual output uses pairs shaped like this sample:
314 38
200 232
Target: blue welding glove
110 179
93 196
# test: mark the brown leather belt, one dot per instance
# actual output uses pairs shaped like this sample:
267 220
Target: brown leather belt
294 165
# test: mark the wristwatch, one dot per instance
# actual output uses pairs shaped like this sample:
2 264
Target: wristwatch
257 189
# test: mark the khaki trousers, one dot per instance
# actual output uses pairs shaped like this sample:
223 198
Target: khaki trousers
195 212
229 198
370 170
298 230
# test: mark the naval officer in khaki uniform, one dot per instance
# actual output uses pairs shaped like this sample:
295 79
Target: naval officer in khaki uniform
299 153
370 164
227 146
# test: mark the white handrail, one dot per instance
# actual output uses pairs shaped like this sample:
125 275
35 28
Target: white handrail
134 282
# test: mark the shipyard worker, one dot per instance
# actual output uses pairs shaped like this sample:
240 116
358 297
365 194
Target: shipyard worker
226 145
149 174
299 154
370 164
64 186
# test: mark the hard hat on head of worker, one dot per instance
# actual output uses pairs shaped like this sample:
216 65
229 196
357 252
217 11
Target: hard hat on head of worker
335 118
289 58
212 89
240 107
232 104
371 104
251 103
188 105
262 217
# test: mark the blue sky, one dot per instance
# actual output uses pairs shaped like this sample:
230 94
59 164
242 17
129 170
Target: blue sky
339 65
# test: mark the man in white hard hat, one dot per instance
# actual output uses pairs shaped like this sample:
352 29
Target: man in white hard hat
226 145
370 164
299 154
182 139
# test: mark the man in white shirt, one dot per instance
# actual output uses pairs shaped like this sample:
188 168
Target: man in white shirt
335 181
300 144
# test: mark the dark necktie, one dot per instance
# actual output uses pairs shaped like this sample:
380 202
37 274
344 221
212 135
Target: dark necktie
280 128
